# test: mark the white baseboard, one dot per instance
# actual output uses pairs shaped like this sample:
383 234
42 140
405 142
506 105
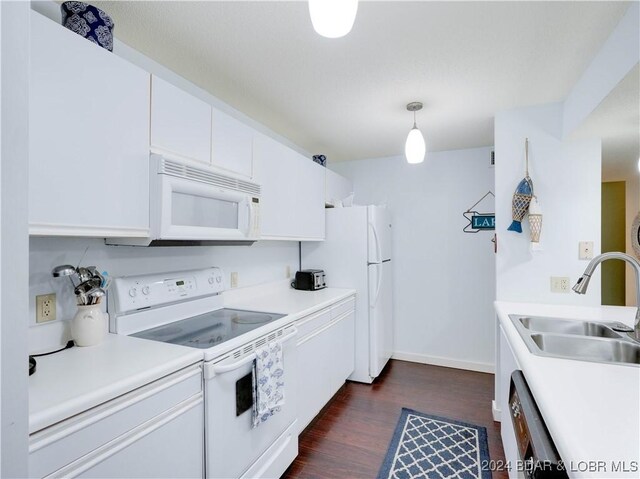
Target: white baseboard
446 362
496 411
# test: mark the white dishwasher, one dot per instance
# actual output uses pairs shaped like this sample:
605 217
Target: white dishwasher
152 432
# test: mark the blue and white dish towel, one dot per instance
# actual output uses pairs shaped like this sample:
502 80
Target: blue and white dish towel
268 382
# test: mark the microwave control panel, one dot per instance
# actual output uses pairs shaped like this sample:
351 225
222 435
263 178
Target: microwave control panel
138 292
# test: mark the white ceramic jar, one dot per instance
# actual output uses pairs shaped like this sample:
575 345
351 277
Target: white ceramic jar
88 326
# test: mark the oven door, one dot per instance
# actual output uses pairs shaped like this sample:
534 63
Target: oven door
232 444
191 210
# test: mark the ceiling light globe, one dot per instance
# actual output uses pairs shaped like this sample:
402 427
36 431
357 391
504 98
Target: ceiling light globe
415 147
333 18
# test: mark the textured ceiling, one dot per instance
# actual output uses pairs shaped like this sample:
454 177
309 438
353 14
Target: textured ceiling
346 97
617 122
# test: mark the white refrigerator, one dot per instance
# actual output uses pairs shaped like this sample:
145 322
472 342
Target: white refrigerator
357 254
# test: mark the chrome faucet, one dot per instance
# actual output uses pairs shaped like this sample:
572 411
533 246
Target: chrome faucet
583 283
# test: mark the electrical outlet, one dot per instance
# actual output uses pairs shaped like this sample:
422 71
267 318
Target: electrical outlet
585 250
45 307
234 280
288 271
560 284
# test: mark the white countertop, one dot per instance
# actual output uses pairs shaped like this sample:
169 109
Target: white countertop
77 379
72 381
592 410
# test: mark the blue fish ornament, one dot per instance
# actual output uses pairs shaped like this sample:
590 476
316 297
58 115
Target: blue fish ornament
520 204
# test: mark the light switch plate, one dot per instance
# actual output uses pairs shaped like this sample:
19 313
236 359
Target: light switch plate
585 250
560 284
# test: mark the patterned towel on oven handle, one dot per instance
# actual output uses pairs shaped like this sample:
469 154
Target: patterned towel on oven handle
268 382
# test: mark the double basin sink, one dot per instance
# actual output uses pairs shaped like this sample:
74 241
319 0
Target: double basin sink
604 342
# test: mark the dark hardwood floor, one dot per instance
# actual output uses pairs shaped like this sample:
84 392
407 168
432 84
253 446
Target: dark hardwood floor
350 436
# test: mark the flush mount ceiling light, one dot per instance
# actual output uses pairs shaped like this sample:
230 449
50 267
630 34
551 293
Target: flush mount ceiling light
415 148
333 18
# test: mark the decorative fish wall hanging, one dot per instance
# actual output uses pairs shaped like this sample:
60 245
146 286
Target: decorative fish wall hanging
522 196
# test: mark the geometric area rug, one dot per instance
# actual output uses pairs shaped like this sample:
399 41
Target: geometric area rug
431 447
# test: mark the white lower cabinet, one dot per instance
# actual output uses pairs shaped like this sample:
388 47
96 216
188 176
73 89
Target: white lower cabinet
325 357
506 365
155 431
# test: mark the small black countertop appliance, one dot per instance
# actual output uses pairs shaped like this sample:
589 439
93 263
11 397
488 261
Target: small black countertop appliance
309 280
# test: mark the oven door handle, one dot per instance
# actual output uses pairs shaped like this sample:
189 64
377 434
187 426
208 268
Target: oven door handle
225 368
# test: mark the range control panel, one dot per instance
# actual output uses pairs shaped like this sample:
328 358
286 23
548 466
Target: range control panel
131 293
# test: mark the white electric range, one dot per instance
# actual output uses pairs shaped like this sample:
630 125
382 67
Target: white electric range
187 308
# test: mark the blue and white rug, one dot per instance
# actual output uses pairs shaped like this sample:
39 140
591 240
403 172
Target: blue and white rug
431 447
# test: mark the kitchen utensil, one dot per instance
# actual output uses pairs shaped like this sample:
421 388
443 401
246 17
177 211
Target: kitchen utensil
94 296
65 270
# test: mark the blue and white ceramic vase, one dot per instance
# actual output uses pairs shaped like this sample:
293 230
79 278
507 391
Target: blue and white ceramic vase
320 159
88 21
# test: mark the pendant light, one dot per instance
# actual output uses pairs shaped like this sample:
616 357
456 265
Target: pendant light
333 18
415 148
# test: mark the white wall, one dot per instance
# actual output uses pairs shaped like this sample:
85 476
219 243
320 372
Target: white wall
263 262
566 178
14 107
444 279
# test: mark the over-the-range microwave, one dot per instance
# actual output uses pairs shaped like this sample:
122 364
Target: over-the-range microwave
193 204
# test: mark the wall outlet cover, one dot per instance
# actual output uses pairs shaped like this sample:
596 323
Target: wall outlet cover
585 250
234 280
45 307
560 284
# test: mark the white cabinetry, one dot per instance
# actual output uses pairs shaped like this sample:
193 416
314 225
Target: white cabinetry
292 192
232 144
337 188
507 363
88 138
154 431
326 357
180 123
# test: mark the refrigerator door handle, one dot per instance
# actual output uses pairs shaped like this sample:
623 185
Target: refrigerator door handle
375 299
375 237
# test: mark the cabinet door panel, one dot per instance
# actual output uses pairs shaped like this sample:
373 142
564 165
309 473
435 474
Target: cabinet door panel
89 137
313 378
292 192
309 216
180 122
232 144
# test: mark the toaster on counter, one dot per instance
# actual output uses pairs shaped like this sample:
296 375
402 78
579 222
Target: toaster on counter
309 280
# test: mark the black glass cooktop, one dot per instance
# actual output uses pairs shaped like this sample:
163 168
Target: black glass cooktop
209 329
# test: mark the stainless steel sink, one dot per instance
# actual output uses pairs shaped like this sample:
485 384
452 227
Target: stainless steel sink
603 342
567 326
590 349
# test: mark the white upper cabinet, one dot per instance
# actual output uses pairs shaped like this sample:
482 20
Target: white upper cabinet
337 188
232 144
309 204
180 123
292 203
89 137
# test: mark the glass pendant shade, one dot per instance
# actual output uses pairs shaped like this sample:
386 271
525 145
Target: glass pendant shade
333 18
415 147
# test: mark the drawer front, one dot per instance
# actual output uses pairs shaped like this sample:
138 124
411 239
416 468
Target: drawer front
342 307
311 323
62 443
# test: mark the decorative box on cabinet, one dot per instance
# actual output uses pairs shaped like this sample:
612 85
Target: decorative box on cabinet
88 137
